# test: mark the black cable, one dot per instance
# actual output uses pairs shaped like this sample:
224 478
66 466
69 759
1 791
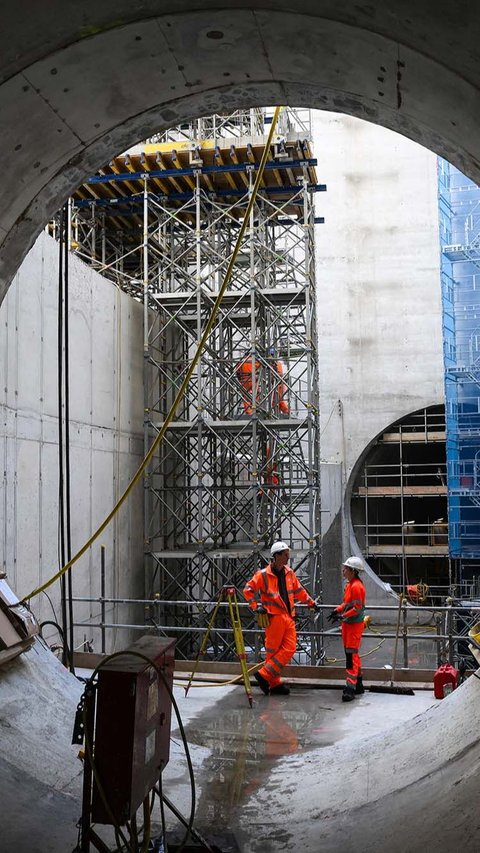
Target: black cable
89 751
67 440
61 518
162 814
51 605
182 734
55 625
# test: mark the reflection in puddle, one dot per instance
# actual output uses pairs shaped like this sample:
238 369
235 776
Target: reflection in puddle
244 743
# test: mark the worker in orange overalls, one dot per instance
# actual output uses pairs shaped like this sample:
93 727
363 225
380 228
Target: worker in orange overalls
244 373
272 594
278 401
351 613
271 469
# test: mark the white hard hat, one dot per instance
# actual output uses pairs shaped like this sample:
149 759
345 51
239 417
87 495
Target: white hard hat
279 546
354 563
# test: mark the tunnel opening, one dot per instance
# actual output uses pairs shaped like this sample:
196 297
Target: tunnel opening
62 104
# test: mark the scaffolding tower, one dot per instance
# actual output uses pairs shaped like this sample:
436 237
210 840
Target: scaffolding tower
459 205
239 465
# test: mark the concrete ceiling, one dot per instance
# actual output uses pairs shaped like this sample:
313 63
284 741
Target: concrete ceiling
85 80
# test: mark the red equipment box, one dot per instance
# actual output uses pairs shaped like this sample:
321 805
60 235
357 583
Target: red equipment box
132 729
445 680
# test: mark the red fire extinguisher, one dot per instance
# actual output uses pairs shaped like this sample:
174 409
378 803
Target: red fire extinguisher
445 680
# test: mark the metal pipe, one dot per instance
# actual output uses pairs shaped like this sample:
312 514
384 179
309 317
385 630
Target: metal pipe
411 608
174 629
102 588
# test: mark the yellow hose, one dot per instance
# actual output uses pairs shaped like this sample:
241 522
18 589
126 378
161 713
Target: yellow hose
188 375
236 678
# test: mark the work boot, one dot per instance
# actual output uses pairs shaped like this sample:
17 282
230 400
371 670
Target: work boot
359 688
348 694
262 683
280 690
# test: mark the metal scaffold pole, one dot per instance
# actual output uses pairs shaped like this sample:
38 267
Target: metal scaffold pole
239 465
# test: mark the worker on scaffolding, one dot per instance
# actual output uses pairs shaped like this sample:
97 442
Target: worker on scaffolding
245 375
351 614
248 372
279 403
272 594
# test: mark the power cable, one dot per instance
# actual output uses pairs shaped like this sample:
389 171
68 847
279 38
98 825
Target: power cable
162 814
90 751
61 507
66 244
188 375
51 605
65 648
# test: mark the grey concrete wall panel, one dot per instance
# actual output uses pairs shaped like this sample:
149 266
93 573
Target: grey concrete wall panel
331 478
380 345
409 66
378 271
102 456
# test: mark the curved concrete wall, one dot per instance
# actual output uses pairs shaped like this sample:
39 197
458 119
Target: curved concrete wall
87 80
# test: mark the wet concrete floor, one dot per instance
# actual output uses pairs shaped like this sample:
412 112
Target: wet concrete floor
234 747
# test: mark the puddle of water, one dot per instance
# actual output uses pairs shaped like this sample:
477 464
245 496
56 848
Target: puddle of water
245 742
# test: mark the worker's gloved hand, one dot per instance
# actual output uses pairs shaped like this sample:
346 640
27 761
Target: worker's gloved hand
317 605
334 616
262 617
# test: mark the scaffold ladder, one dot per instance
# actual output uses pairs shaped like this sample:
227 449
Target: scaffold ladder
228 594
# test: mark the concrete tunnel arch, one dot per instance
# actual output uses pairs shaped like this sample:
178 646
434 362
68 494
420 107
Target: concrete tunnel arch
89 79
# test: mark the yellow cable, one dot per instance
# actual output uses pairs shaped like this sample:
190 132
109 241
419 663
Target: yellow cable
220 683
188 375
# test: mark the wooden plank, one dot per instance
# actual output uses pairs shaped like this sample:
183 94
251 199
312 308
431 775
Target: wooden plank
221 670
386 491
414 550
412 437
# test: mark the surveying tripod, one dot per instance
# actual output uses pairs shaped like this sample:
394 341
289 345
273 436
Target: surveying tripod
228 594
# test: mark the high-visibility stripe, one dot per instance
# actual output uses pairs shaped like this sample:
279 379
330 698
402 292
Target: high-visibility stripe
278 604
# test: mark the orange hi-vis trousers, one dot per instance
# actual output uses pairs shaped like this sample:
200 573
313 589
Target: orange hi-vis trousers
280 647
352 637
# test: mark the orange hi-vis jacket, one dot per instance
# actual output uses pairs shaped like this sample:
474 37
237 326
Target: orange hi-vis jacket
264 585
353 606
244 372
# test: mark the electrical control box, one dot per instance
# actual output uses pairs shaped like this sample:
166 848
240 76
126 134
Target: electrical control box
132 728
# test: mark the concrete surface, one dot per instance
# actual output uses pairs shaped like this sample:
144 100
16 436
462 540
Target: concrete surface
380 315
239 752
106 434
412 788
40 774
406 65
303 772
